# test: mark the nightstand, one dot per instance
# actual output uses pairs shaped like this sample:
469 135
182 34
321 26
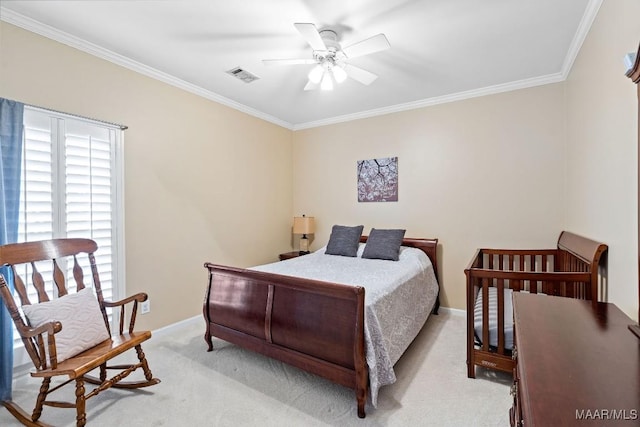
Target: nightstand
289 255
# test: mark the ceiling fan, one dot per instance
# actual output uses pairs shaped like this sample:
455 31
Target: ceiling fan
331 59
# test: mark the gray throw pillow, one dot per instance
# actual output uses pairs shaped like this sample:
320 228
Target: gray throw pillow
383 244
344 240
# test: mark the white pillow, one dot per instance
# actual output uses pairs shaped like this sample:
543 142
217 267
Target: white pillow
82 322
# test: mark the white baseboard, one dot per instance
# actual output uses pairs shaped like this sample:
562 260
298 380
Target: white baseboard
22 363
166 330
24 368
454 311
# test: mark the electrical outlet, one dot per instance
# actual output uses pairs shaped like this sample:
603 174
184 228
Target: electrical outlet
145 307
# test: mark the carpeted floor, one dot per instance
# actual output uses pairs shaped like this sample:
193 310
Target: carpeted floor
234 387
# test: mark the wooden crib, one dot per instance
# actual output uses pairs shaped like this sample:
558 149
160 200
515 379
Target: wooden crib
571 270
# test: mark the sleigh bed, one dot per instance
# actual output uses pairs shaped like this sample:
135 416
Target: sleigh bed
310 312
571 270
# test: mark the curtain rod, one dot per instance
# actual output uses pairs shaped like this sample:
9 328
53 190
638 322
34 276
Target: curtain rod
122 127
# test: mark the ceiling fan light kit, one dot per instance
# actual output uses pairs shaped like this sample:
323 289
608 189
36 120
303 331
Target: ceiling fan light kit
339 74
327 82
316 73
331 60
324 75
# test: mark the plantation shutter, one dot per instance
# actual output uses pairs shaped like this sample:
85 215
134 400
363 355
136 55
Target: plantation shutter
89 199
70 188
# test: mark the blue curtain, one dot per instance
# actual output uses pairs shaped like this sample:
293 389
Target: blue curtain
11 124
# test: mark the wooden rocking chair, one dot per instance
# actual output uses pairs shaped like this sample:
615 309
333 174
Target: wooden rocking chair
44 357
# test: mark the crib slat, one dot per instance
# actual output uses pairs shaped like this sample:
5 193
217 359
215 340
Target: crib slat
535 284
547 287
509 282
570 289
523 267
485 315
534 267
500 316
585 285
579 290
516 285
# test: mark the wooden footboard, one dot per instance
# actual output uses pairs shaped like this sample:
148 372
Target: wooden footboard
571 270
313 325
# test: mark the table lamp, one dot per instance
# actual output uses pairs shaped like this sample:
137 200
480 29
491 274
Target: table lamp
304 225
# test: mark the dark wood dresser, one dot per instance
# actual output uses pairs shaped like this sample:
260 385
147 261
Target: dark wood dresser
575 365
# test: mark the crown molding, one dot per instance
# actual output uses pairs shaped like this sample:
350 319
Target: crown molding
490 90
589 16
44 30
47 31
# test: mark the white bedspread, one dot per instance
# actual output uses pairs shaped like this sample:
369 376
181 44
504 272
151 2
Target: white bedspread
399 296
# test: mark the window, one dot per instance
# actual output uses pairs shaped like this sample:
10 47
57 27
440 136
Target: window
71 186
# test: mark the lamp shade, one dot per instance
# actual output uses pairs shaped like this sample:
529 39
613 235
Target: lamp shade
339 74
304 225
315 75
327 82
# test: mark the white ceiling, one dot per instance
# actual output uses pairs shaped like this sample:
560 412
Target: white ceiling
441 50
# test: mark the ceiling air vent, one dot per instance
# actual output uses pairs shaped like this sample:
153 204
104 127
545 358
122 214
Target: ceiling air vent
243 75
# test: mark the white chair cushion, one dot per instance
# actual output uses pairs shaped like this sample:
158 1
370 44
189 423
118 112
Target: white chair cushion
82 322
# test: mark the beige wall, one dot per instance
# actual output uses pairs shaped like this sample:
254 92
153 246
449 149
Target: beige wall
485 172
203 182
602 114
508 170
495 171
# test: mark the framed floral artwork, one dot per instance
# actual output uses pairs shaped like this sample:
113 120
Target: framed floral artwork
378 180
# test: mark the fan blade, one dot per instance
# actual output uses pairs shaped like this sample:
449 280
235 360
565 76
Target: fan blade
311 35
311 86
360 75
367 46
288 61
